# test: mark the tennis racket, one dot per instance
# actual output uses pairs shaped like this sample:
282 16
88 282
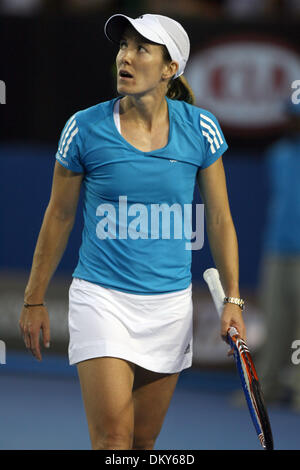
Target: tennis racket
245 366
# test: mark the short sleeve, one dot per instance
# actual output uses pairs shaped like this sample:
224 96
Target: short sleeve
214 141
69 149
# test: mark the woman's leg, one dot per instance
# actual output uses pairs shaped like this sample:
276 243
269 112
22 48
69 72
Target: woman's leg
106 386
125 404
152 394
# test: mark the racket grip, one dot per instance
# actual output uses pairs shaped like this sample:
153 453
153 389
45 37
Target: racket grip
212 278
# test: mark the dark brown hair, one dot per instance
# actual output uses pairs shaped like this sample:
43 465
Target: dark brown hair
178 88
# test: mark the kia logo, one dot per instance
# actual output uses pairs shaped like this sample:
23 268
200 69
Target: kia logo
244 82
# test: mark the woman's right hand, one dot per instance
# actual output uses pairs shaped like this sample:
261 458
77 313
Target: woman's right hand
32 320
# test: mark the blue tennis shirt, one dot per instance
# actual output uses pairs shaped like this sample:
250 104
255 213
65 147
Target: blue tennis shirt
129 195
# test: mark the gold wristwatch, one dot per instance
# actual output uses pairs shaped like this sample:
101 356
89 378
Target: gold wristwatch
235 300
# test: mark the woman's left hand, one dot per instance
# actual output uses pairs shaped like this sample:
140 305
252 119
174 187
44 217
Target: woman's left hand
232 316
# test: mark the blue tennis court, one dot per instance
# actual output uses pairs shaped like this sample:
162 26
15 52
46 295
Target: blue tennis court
41 408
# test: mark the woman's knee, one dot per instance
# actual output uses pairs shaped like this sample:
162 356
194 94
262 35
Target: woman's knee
143 442
112 440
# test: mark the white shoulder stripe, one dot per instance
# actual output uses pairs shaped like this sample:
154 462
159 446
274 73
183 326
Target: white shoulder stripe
69 142
210 129
210 140
214 125
65 134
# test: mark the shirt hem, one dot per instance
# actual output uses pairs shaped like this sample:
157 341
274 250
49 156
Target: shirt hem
74 275
215 158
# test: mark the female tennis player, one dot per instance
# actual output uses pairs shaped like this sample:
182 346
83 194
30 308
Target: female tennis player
130 301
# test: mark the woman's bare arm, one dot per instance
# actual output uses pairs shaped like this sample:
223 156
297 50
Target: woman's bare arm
222 239
51 243
219 225
55 230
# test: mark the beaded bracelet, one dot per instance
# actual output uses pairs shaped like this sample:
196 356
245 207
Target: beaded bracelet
34 305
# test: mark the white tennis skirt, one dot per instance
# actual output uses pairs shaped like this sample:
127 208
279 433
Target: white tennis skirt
152 331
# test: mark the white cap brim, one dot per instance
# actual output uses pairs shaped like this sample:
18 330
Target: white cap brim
115 25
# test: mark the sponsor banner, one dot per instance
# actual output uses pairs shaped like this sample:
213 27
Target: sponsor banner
245 81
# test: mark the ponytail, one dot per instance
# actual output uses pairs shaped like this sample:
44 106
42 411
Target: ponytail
179 89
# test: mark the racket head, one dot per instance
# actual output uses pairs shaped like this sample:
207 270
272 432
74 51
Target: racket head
252 390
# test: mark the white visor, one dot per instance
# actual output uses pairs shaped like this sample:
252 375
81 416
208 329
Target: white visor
157 28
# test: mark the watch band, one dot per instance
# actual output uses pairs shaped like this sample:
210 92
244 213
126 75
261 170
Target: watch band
235 300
